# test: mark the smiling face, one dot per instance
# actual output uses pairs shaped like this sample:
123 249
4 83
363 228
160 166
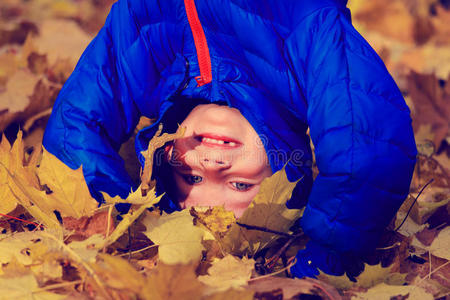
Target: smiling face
220 161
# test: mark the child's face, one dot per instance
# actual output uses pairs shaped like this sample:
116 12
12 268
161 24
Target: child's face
220 161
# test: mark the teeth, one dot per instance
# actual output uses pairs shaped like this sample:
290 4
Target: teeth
219 142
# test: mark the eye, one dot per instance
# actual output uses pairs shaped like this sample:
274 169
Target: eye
240 186
193 179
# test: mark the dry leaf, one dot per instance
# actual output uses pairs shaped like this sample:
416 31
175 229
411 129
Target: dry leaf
156 142
371 276
69 192
24 287
294 287
216 219
440 247
180 242
129 218
228 273
267 210
173 282
387 292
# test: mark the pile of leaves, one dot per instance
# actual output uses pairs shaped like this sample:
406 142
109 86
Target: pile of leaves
56 242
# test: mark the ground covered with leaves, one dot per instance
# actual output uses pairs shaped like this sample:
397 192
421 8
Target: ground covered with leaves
56 243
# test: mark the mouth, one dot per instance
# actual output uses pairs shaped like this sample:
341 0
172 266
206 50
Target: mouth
210 139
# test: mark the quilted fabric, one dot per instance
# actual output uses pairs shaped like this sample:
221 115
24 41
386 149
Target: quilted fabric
286 65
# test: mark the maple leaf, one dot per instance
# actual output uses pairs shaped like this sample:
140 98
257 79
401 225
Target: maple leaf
228 273
292 288
179 241
118 274
215 219
23 184
431 105
156 142
440 245
383 291
128 219
371 276
267 210
69 192
25 287
61 39
173 282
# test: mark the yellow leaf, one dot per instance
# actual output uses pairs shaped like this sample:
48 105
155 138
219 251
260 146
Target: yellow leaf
216 219
173 282
86 249
233 294
130 217
268 210
133 198
70 194
24 287
8 202
23 184
228 273
441 244
61 39
156 142
180 242
371 276
383 291
117 273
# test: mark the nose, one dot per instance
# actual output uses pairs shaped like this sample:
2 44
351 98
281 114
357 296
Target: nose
214 164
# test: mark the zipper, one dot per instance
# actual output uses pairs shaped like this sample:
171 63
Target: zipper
204 60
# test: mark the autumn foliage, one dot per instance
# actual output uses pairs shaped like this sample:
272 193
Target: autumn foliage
58 243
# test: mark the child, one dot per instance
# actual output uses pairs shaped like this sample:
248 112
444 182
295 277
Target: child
285 65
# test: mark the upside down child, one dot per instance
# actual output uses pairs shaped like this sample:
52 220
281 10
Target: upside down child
247 79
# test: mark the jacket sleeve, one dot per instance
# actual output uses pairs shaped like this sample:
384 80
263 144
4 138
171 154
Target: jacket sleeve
361 130
95 112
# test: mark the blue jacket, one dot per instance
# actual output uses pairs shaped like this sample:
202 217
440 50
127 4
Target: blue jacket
286 65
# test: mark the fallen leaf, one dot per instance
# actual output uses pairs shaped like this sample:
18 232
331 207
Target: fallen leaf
180 242
228 273
431 105
216 219
371 276
129 218
61 39
232 294
25 287
383 291
267 210
173 282
118 274
156 142
294 287
69 192
440 247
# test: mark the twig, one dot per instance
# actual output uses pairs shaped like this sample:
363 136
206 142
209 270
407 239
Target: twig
108 224
272 261
389 247
253 227
79 260
414 202
139 250
57 286
431 273
274 273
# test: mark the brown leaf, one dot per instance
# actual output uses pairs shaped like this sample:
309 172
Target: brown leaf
85 227
431 105
173 282
294 287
